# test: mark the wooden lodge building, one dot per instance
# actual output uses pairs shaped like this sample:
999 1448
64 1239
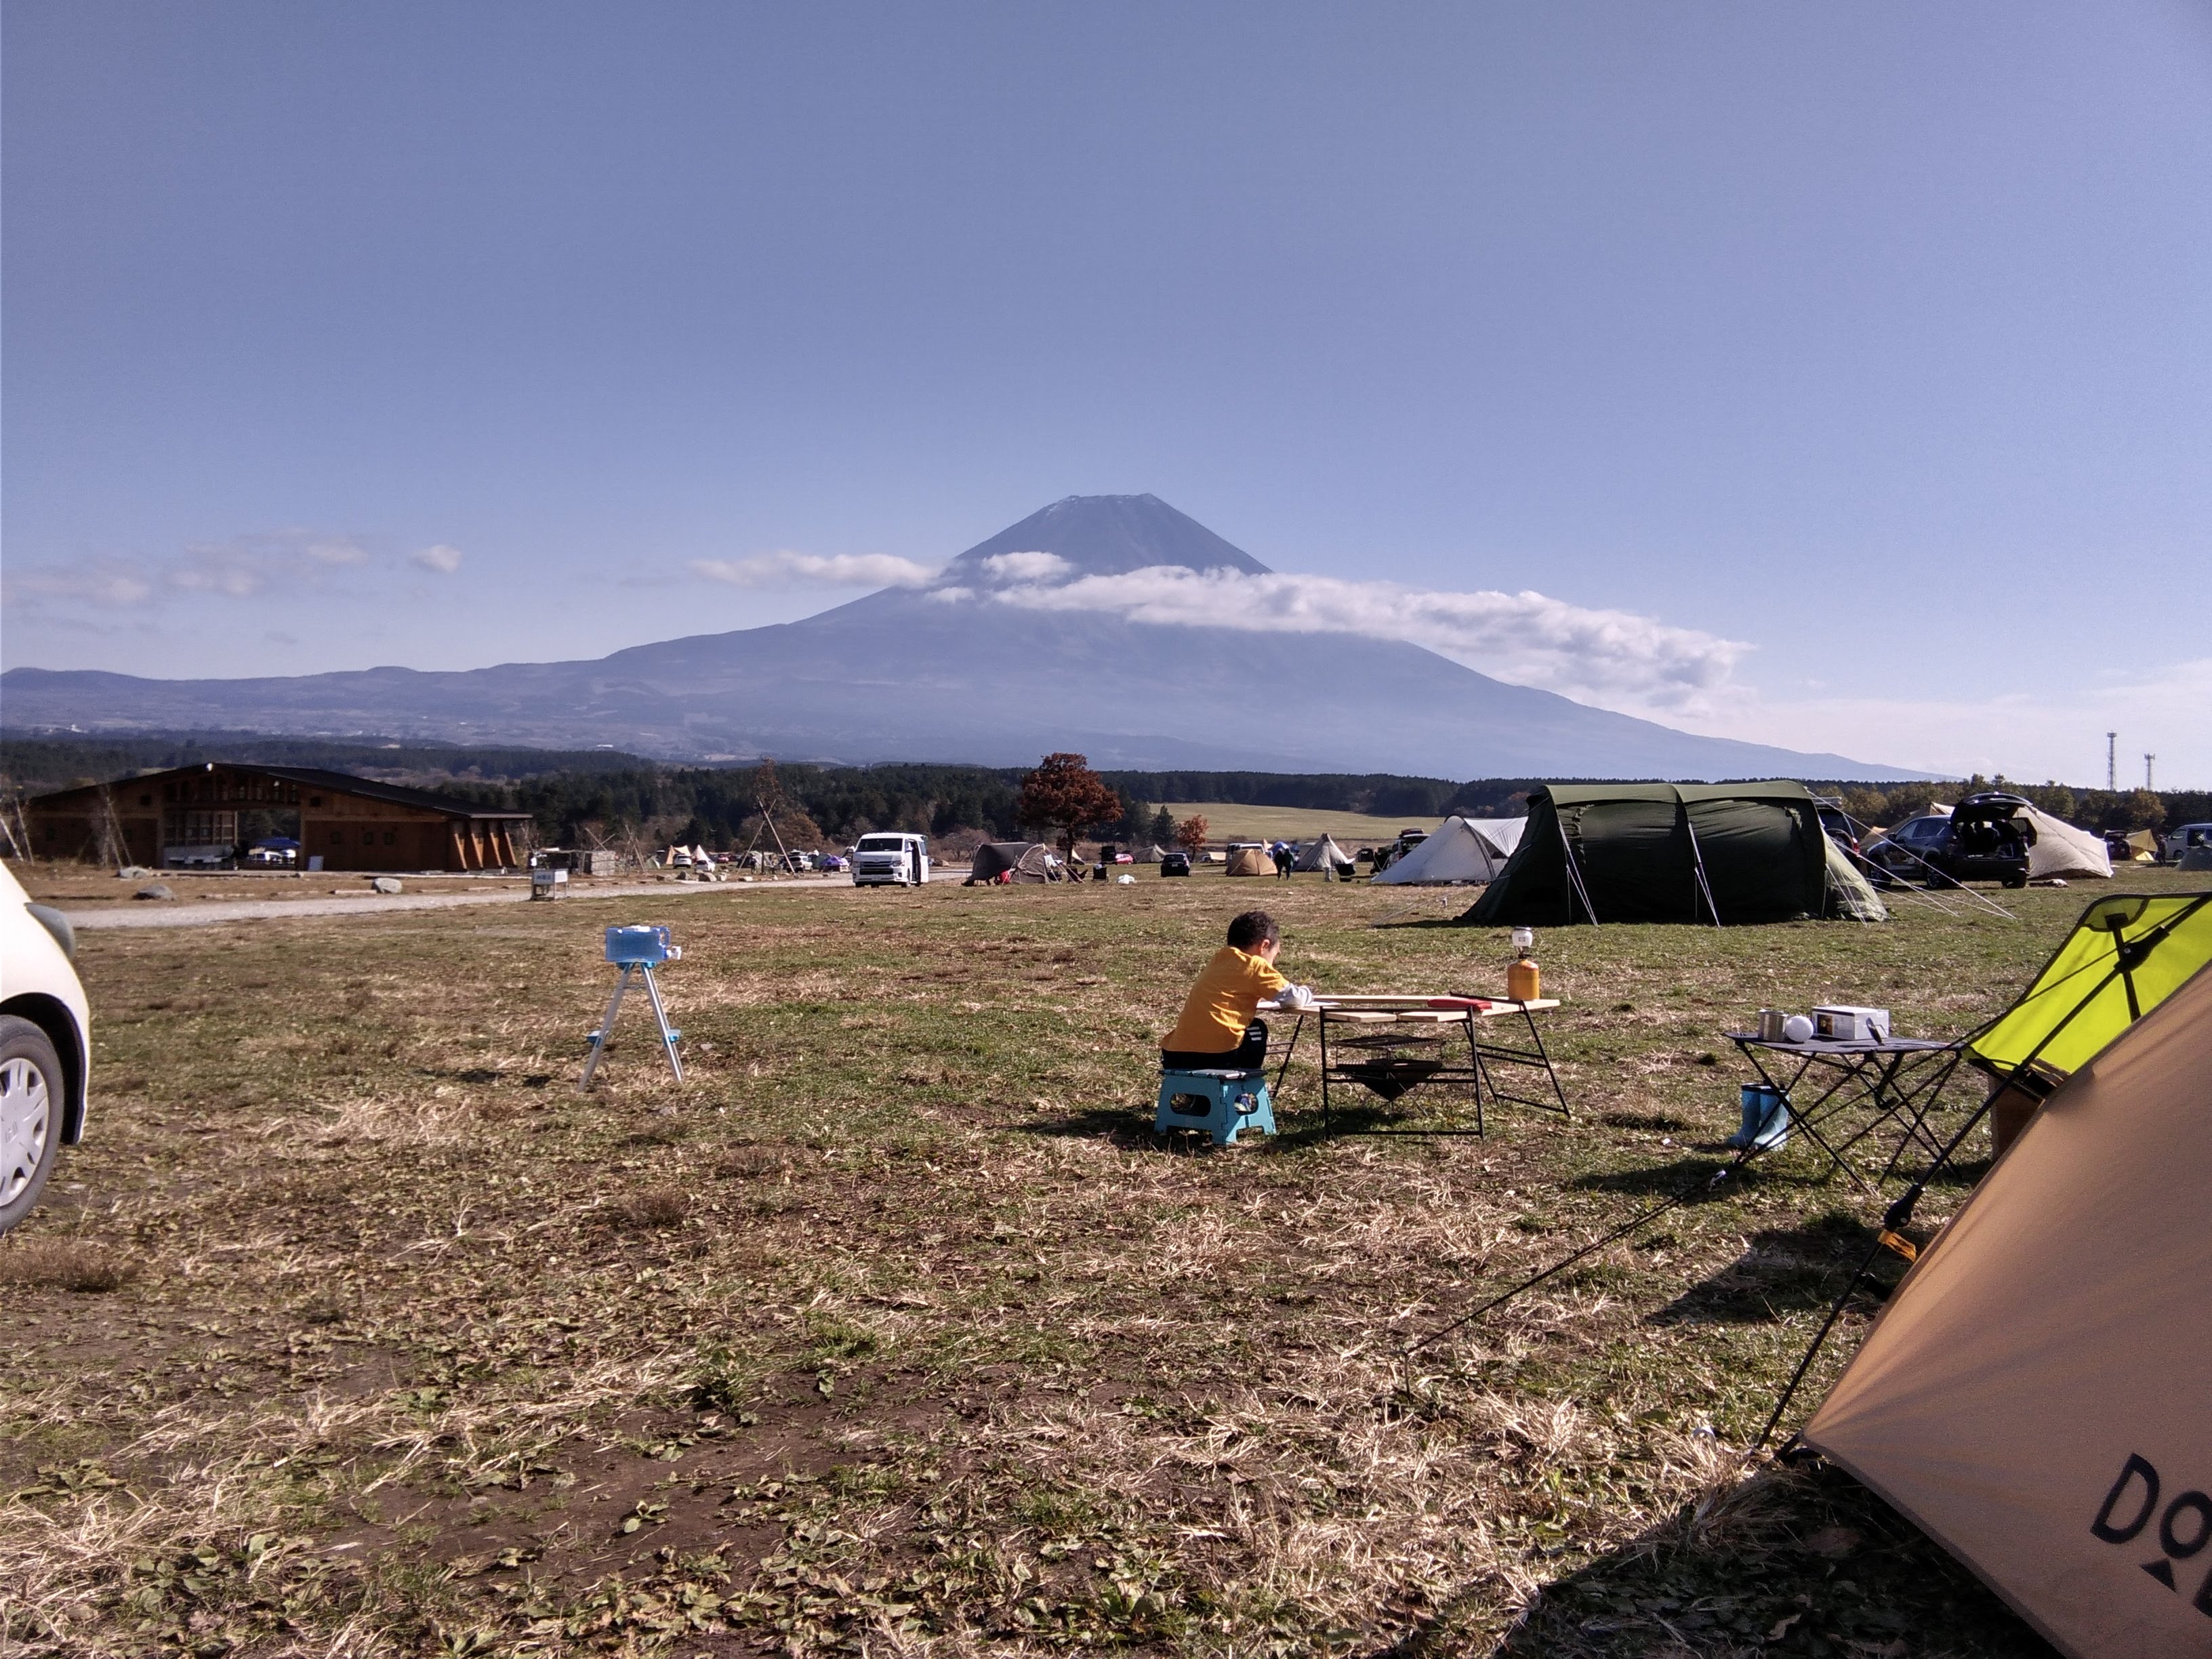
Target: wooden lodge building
207 814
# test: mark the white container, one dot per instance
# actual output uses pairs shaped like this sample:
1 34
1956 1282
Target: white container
1845 1023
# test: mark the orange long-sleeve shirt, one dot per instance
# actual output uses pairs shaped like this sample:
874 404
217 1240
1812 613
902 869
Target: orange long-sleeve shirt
1222 1004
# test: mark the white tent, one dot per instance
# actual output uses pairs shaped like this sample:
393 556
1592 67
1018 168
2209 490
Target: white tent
2060 849
1462 849
1321 853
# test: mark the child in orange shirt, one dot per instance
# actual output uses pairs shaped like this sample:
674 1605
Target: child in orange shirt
1218 1030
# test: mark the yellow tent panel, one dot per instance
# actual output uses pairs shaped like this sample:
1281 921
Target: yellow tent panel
2126 955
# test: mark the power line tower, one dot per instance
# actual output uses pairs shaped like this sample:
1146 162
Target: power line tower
2112 762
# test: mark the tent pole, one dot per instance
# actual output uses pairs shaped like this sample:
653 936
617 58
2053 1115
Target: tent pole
1574 874
1698 859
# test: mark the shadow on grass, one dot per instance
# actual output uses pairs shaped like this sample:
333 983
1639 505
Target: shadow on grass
1692 1174
1787 1563
1783 1270
1127 1127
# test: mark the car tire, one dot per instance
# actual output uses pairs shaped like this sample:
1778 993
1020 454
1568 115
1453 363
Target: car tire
32 1092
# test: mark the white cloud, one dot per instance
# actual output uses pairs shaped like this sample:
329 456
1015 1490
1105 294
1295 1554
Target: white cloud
236 569
788 569
1027 566
1613 657
440 559
105 584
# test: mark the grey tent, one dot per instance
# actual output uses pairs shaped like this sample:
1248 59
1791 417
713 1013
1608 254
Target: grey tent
1322 854
1731 853
1028 861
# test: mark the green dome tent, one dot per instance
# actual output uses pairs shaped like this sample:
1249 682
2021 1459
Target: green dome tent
1727 853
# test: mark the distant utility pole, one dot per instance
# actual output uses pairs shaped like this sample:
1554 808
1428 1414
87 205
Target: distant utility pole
2112 762
2147 759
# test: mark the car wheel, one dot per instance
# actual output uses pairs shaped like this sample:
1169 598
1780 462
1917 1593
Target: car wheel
31 1094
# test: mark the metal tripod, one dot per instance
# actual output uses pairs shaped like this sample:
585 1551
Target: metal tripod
598 1038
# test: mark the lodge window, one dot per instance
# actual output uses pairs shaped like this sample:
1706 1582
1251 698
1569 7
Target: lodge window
391 839
336 838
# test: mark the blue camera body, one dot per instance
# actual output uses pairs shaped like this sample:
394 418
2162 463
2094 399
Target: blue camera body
640 947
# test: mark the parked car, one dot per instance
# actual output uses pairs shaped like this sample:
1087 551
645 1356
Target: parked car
892 860
2179 842
1838 824
1174 864
46 1047
1982 840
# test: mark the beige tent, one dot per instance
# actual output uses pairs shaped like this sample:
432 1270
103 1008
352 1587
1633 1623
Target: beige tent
1250 861
1462 849
2060 849
1321 853
2033 1396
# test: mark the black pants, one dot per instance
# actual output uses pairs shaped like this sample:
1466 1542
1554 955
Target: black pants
1249 1055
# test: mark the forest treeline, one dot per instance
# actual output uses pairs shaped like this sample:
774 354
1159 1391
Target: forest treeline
584 797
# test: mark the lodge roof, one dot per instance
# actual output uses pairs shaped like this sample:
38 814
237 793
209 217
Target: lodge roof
310 777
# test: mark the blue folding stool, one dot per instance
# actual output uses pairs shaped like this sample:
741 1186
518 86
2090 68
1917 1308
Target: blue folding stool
1224 1104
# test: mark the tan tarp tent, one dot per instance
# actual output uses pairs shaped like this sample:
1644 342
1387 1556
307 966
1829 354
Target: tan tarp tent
1250 861
2060 849
2033 1395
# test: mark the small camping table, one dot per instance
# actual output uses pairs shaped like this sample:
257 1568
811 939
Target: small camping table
1898 1078
1372 1028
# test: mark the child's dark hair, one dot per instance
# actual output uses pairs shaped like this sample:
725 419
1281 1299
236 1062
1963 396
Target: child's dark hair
1254 928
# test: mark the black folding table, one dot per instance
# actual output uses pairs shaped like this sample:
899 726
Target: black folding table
1897 1079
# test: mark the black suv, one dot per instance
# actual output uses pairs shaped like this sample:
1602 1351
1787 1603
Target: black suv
1981 841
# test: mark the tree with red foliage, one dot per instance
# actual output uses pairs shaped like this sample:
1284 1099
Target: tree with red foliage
1190 835
1065 796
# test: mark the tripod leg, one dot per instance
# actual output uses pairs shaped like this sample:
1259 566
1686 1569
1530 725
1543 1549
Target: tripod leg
667 1037
606 1031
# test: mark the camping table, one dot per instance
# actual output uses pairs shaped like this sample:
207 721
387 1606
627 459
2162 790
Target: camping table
1899 1078
1341 1023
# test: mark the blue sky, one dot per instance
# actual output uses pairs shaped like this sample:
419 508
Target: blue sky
1872 344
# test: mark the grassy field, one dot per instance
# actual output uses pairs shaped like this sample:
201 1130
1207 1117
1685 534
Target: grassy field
1227 821
354 1329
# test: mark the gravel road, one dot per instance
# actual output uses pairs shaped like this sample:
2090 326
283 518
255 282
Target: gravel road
167 913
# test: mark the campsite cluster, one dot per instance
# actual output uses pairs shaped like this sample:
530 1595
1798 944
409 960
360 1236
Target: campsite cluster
892 1321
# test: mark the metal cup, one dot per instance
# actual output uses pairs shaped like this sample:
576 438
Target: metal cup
1770 1024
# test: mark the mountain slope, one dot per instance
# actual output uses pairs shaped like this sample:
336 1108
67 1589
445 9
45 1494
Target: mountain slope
921 674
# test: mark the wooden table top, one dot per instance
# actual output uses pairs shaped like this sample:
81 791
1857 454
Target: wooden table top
1433 1009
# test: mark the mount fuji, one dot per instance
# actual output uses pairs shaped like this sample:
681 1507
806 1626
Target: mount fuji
940 672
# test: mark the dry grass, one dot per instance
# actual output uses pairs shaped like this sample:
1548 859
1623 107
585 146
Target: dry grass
63 1264
891 1329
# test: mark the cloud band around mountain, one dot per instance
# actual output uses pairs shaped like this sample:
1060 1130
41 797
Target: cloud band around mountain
1613 657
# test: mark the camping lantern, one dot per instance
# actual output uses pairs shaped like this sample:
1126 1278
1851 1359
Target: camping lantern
1522 981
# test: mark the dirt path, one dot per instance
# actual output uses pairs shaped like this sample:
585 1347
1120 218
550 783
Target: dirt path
164 914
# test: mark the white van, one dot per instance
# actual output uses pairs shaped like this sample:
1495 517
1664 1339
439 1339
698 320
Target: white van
892 860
